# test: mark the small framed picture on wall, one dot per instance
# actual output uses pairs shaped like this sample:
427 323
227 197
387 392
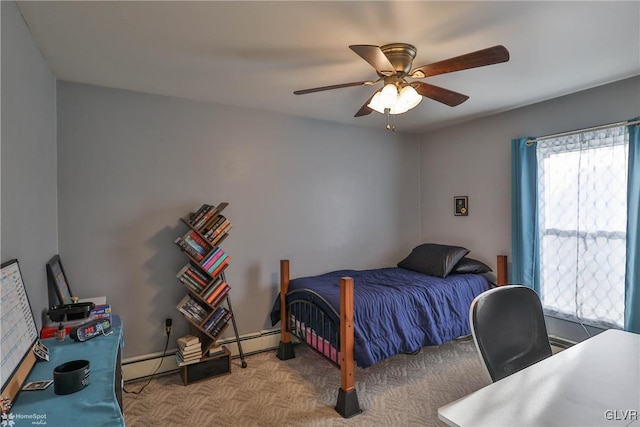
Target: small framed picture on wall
461 205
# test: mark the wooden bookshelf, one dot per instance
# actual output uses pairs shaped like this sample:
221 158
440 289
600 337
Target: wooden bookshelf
207 304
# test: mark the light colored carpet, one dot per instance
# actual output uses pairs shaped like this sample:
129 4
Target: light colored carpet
404 390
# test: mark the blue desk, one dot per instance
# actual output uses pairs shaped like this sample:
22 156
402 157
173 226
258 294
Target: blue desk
95 405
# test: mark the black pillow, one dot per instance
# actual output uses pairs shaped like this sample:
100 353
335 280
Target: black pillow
433 259
470 265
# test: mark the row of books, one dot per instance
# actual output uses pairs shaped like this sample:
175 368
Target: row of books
210 223
194 239
197 247
192 309
217 321
215 293
204 214
189 350
216 262
188 248
220 227
193 278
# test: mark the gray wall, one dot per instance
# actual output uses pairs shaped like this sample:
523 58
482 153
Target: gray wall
28 168
474 159
325 195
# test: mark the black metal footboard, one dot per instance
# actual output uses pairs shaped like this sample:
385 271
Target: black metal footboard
313 321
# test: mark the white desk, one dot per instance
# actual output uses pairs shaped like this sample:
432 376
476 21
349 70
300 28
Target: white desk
593 383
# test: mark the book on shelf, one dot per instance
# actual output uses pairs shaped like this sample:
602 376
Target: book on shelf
194 217
212 287
206 221
194 317
213 265
194 353
219 289
190 348
181 362
192 309
198 242
217 228
196 287
185 277
217 300
202 215
213 319
182 271
220 238
212 258
215 240
195 245
191 274
187 340
189 356
212 224
189 314
185 246
198 272
221 267
219 326
206 217
196 307
216 350
209 216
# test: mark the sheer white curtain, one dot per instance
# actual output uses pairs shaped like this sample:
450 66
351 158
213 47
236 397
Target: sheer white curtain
582 187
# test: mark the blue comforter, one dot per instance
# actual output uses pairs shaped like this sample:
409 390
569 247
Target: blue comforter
398 310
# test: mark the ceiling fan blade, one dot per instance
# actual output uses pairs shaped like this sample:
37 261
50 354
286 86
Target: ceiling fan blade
480 58
439 94
374 56
365 110
340 86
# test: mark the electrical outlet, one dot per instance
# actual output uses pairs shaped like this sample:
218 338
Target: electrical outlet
168 322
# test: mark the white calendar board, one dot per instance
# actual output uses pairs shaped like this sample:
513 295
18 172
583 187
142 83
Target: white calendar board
17 327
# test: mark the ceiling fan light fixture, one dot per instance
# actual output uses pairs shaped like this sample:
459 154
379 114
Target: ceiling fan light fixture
375 103
385 98
388 96
408 98
396 102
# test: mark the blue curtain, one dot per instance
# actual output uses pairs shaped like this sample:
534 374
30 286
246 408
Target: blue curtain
632 277
525 263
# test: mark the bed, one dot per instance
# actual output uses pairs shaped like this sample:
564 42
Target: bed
393 310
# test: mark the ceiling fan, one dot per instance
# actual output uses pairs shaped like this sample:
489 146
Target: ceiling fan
393 63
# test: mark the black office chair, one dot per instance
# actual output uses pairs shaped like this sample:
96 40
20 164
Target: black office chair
508 328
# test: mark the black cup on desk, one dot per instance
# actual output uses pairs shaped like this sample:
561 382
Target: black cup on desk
71 377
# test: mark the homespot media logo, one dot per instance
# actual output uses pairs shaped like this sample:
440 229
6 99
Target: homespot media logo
621 414
11 419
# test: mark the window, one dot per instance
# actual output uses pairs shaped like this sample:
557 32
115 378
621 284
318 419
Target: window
582 205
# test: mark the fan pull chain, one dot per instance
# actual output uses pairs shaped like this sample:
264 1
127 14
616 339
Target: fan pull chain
390 126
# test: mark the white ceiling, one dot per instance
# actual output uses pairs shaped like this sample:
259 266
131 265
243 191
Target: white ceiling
255 54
